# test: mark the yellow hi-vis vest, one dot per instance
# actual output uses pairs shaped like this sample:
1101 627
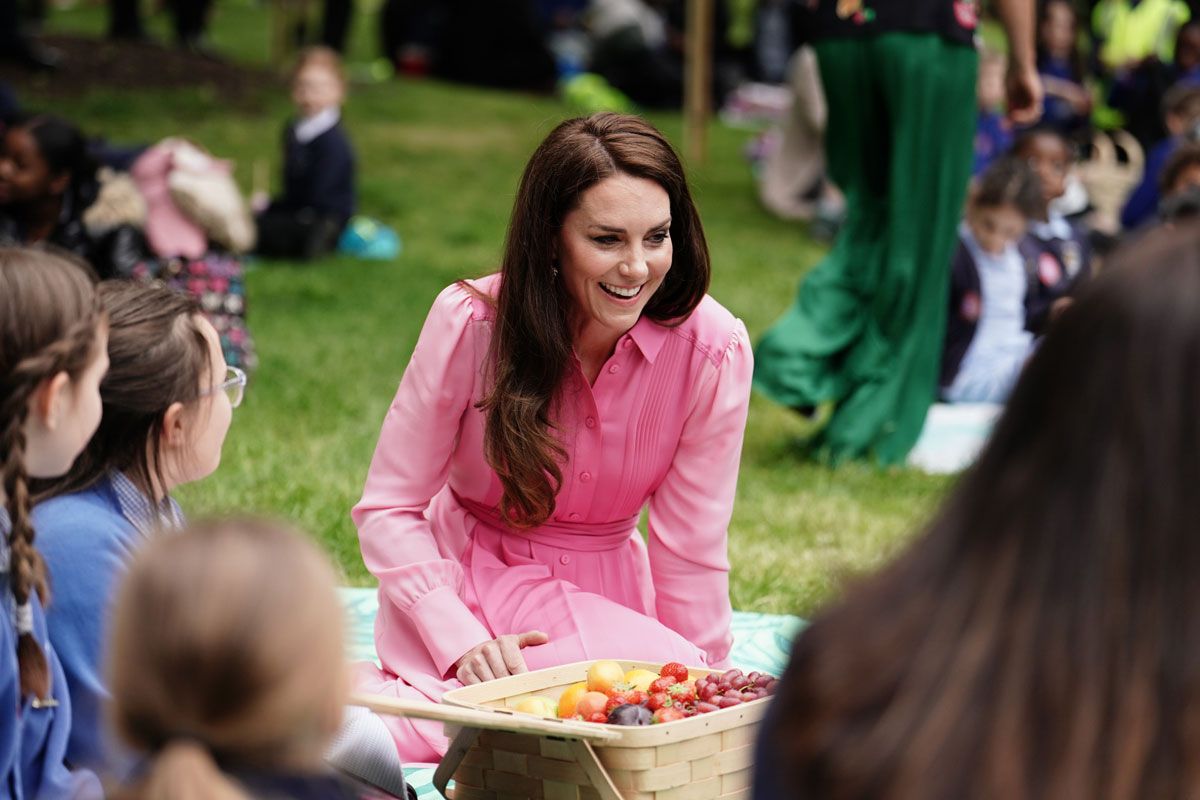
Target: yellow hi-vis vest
1131 33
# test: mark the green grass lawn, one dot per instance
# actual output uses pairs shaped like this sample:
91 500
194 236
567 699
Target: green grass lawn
440 163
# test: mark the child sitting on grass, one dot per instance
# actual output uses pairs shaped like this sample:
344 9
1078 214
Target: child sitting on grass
238 695
1056 250
168 403
1181 113
1068 102
53 354
987 342
318 171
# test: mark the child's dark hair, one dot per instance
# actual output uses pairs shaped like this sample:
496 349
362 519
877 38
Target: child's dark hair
1009 182
1041 131
1078 72
65 150
1187 155
1183 101
49 317
157 356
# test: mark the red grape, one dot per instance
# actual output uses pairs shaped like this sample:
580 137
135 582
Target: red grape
729 700
706 708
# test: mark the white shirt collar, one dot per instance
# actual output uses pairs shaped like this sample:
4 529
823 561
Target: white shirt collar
1056 227
310 128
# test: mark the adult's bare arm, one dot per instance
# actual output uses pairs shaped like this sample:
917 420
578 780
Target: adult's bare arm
1023 85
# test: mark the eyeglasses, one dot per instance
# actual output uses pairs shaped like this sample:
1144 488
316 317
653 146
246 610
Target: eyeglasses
234 386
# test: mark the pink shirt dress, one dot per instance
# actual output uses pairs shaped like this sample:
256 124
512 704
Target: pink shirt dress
661 427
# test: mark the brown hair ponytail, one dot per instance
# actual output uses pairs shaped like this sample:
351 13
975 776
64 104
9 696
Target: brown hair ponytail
49 313
531 346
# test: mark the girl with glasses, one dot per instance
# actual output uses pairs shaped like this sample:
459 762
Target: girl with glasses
168 402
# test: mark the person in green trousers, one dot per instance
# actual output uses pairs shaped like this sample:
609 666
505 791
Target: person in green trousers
865 333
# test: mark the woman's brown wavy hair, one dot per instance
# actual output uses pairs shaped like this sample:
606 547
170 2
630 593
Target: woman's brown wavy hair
532 347
1042 639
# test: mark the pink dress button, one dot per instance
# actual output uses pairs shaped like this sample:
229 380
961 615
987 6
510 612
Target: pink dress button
614 369
584 477
628 343
590 422
564 560
573 517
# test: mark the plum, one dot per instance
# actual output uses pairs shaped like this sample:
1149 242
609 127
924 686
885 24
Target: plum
629 714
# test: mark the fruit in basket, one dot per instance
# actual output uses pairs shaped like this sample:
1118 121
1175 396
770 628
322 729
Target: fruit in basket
630 715
640 679
599 716
637 698
731 688
539 706
658 700
568 699
603 674
590 703
667 714
616 700
674 670
661 685
683 693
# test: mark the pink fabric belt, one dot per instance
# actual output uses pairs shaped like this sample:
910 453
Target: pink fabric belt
582 537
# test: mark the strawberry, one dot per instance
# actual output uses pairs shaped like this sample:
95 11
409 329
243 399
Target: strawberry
615 700
620 687
598 716
662 684
637 698
683 693
668 714
675 670
658 700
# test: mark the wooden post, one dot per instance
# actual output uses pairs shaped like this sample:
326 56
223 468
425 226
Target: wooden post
697 72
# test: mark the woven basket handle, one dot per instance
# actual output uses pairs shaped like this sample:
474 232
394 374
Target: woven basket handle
462 743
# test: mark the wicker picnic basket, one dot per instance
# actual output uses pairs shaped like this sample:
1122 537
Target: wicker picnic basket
497 753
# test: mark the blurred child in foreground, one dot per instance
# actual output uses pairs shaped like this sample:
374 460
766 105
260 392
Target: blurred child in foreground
1040 639
237 696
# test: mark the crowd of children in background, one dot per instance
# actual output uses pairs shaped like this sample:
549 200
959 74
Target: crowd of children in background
1133 66
170 211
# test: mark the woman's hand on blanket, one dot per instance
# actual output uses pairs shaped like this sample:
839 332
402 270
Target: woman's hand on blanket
498 658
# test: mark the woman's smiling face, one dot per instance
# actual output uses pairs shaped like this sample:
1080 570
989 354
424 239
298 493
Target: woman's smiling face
614 252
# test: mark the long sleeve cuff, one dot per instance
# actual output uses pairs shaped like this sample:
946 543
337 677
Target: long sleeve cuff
447 627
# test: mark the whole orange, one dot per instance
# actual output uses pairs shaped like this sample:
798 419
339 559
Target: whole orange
568 699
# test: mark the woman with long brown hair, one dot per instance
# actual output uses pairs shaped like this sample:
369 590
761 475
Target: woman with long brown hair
1042 638
543 409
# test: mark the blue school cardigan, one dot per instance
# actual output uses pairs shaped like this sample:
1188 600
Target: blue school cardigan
87 539
33 745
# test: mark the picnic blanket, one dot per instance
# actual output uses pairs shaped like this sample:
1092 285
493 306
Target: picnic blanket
953 436
760 642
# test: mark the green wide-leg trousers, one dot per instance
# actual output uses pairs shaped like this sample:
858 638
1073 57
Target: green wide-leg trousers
866 329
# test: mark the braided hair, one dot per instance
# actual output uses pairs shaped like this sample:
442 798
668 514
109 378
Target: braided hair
49 313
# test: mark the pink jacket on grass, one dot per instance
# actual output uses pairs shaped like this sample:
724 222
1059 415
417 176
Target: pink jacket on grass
168 231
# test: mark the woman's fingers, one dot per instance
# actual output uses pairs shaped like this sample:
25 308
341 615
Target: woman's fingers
532 638
510 650
497 658
494 657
